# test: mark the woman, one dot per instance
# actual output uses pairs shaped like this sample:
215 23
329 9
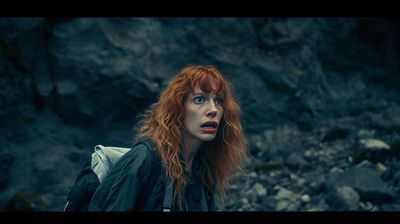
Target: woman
197 143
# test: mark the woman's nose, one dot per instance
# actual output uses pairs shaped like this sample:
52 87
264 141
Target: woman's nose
212 111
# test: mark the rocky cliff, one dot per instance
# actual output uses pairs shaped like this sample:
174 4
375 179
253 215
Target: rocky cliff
319 96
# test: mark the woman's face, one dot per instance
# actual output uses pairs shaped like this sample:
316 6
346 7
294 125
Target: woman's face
203 112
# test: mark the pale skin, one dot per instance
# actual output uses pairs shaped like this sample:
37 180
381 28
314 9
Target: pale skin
200 108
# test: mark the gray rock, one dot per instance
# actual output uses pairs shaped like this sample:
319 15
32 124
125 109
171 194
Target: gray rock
374 144
282 205
66 88
346 198
365 164
365 134
368 206
269 203
336 172
365 181
396 177
317 183
284 193
295 161
260 190
25 201
6 162
394 207
373 150
381 168
305 198
251 195
294 206
388 119
319 207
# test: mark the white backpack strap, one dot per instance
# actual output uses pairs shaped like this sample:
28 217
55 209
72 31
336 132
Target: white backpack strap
104 157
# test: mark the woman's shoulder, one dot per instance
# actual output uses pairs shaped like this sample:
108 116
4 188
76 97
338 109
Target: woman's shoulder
143 151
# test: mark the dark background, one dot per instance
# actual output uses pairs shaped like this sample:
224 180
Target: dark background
319 97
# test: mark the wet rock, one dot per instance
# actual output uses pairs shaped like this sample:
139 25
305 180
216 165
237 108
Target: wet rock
287 200
396 177
257 144
287 205
336 172
269 203
365 181
25 201
317 184
6 161
368 206
366 134
373 150
336 133
318 206
395 146
260 190
46 165
365 164
378 166
345 199
300 182
296 161
284 193
381 168
374 144
394 207
388 119
251 195
269 166
305 198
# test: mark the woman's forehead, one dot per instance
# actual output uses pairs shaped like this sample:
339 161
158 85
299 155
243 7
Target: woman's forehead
207 87
198 90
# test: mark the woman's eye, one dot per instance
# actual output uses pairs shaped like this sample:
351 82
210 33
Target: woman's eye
198 100
218 101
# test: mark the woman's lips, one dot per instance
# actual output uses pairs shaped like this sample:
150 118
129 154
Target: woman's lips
209 129
209 126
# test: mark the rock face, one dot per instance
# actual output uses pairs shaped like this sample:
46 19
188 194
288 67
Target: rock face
365 181
313 93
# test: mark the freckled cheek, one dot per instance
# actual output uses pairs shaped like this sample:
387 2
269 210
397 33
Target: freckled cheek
191 116
221 113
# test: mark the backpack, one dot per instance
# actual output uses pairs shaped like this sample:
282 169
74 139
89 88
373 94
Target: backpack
93 173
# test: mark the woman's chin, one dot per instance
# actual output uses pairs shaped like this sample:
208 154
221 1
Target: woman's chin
207 138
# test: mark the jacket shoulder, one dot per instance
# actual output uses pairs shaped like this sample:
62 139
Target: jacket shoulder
125 181
143 150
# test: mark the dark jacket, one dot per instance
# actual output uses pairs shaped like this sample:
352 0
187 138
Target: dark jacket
137 183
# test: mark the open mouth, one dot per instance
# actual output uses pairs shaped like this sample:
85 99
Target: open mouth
209 126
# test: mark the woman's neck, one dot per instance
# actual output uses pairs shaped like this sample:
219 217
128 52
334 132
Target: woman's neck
190 148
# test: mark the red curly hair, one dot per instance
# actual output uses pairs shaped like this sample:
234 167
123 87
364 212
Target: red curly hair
219 158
